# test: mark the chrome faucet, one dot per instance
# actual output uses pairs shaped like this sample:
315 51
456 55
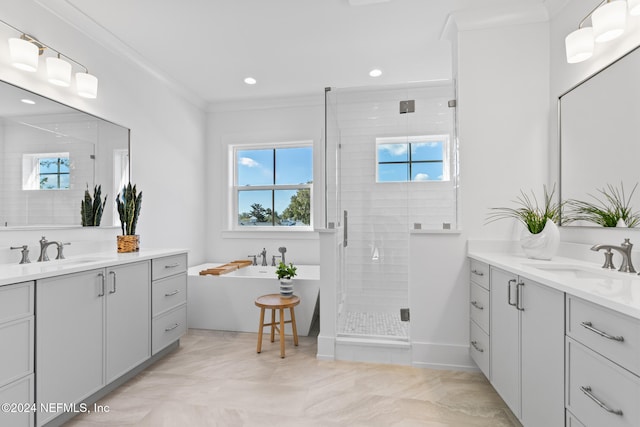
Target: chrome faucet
263 254
624 249
273 260
44 245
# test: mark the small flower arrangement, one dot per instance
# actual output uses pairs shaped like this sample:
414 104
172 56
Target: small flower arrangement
286 271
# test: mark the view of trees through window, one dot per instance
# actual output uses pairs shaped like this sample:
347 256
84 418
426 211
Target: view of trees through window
273 186
54 173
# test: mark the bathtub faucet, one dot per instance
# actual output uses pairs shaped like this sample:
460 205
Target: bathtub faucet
263 254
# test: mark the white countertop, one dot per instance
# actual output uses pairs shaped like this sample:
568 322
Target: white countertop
16 273
609 288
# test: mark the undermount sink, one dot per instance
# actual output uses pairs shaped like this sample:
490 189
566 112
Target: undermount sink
577 272
74 261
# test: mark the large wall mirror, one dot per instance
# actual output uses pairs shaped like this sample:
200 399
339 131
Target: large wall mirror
50 154
600 134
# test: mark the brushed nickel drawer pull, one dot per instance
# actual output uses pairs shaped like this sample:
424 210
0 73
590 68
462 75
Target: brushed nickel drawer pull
590 327
476 305
170 294
475 345
172 265
477 273
172 327
587 390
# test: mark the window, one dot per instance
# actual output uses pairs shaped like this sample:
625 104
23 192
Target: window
273 186
416 158
45 171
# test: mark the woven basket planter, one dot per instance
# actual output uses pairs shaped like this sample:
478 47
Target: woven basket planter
128 243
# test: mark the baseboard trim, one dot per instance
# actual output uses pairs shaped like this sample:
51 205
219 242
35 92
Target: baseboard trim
442 356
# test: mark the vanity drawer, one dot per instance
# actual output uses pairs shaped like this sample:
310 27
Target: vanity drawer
480 273
168 293
611 334
168 327
479 306
16 301
17 350
596 388
168 266
479 348
20 392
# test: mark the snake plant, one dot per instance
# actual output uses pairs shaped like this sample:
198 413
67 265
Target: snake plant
129 204
91 209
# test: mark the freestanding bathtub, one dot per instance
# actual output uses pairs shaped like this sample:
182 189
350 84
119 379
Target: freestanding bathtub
226 302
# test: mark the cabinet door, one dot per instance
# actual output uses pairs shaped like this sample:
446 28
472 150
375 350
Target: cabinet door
128 317
542 332
69 342
505 339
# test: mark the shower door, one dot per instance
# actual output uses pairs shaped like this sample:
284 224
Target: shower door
384 145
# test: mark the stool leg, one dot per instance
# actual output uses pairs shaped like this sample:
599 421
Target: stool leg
293 326
282 332
273 324
259 348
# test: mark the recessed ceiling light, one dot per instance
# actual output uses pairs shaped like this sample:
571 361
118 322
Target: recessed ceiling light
250 81
28 101
375 72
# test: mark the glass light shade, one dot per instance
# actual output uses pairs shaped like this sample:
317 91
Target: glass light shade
24 54
609 21
58 71
579 45
634 7
87 85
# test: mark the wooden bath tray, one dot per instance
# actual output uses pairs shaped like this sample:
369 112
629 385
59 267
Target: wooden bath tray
226 268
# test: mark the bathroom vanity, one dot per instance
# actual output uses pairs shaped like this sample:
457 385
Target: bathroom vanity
73 330
559 340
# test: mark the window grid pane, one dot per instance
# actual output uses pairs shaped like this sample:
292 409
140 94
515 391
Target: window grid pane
424 161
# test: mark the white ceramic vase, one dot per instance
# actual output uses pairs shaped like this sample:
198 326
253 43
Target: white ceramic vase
286 288
543 245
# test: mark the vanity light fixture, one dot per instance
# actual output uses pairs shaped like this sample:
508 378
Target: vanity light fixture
26 49
608 21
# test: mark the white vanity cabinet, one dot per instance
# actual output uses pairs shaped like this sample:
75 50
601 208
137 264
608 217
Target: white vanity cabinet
17 355
603 366
479 315
92 327
527 348
169 300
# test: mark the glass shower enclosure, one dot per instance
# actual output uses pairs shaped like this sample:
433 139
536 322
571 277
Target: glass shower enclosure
390 167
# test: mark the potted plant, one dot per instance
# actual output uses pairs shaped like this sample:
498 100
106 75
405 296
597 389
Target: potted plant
91 209
540 238
285 274
129 203
613 210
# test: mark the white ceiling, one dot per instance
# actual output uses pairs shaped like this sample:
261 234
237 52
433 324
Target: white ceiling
292 47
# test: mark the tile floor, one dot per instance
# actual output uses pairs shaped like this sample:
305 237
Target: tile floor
217 379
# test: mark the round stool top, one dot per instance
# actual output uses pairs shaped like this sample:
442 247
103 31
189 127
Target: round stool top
277 301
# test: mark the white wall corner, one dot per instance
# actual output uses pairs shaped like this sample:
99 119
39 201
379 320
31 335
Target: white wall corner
442 356
326 348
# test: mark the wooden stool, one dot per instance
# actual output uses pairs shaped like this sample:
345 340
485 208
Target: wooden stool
276 302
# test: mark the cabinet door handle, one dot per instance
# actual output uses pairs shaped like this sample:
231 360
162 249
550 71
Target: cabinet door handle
113 290
101 276
587 390
170 294
171 328
172 265
477 305
477 273
509 292
589 326
519 293
475 345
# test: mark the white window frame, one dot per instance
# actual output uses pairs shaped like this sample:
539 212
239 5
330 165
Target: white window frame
446 156
235 188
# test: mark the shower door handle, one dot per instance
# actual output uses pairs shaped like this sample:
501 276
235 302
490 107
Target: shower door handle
345 229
